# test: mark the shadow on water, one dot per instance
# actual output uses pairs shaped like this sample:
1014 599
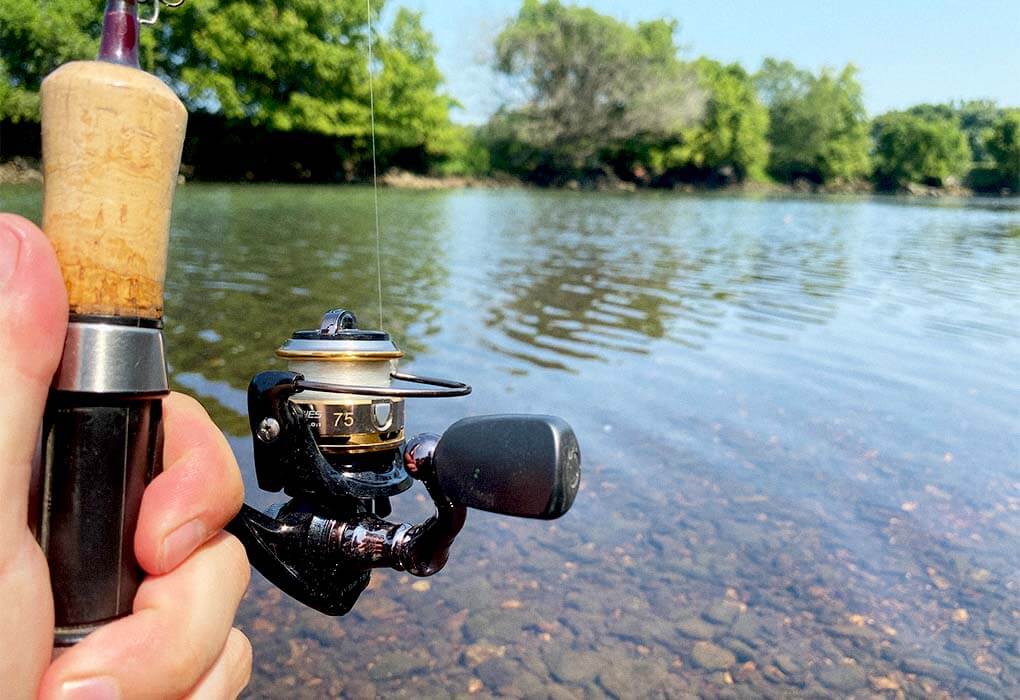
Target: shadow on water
798 419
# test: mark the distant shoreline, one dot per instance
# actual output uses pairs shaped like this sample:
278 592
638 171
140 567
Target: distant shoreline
19 171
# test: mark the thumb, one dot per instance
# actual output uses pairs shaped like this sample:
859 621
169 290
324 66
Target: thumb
33 319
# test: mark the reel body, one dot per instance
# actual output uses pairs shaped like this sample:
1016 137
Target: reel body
330 434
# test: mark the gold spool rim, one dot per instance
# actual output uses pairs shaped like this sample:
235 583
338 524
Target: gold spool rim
362 448
342 356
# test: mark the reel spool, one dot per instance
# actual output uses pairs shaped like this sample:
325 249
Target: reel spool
340 353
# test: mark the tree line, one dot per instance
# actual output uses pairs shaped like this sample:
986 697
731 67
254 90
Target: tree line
279 90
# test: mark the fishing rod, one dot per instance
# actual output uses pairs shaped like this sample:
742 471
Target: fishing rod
329 432
112 136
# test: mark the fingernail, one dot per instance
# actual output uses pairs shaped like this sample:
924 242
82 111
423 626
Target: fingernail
10 249
101 688
182 542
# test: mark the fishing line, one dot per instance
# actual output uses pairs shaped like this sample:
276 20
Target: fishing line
375 171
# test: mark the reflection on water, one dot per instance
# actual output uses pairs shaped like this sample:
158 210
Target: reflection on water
798 419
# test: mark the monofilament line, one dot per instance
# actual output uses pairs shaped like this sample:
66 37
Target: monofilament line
375 171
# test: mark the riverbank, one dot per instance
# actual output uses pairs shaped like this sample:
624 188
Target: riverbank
28 170
20 171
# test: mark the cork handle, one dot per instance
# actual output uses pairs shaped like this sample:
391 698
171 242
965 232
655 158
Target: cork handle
112 139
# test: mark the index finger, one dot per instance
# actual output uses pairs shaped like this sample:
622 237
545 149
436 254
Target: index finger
197 494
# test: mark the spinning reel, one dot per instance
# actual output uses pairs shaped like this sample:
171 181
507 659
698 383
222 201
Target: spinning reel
330 433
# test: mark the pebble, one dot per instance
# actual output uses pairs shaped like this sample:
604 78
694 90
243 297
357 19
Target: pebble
478 652
396 664
695 628
576 667
786 663
497 672
723 612
843 678
742 650
359 690
712 657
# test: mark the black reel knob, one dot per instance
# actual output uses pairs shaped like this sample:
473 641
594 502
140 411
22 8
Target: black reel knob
525 466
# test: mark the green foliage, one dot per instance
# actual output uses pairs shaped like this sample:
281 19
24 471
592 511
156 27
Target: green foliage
466 154
411 112
818 127
509 154
591 83
974 117
910 148
286 65
301 65
1003 144
35 38
733 136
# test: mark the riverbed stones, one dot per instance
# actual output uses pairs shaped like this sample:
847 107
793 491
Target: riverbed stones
724 612
787 665
631 679
397 664
748 629
575 667
359 690
695 628
496 625
498 672
843 678
742 650
712 657
479 652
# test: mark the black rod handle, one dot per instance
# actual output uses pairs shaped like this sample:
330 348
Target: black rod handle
99 452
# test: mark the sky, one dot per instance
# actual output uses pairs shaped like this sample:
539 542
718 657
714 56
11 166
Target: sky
908 51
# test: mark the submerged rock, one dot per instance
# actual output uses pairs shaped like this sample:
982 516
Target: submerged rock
843 678
632 679
576 667
712 657
696 628
724 612
396 664
498 672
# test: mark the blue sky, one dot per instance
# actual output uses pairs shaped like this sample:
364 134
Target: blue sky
908 51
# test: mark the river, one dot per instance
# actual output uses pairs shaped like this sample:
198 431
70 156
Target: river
798 420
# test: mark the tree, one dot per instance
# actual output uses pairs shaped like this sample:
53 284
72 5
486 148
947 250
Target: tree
411 112
35 38
1003 144
733 135
592 82
913 149
817 123
974 117
302 65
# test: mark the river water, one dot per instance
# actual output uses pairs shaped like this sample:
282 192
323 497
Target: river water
798 421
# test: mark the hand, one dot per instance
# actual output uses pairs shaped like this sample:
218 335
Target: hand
178 642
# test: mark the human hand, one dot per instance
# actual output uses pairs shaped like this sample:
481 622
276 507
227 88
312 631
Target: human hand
178 641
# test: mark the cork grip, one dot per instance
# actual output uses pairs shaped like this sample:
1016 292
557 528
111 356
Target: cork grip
112 138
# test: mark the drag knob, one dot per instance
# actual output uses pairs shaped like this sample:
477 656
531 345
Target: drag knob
527 466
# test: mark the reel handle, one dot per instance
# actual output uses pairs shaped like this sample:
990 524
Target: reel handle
519 465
